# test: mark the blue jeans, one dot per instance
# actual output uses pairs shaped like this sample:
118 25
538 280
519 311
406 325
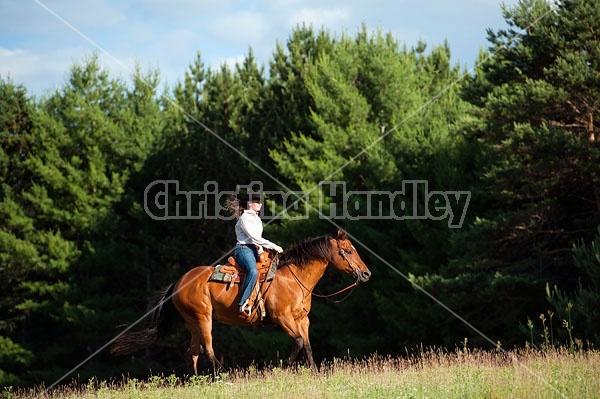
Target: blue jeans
246 256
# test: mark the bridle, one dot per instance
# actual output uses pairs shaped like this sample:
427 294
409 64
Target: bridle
351 287
342 252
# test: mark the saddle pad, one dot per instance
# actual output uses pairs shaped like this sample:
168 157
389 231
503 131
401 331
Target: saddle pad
232 274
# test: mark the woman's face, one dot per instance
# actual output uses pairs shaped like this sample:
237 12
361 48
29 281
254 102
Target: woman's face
255 206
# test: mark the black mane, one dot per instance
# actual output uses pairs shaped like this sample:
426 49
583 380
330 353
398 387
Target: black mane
306 250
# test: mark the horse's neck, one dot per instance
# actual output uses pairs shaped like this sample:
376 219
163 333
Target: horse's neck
311 273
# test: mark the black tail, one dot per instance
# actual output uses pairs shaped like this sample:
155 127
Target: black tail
150 330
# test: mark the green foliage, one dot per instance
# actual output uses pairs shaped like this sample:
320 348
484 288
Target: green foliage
15 358
424 373
77 151
369 130
579 308
540 155
80 256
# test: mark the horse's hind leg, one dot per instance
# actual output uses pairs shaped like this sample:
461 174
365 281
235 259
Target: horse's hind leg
194 351
205 326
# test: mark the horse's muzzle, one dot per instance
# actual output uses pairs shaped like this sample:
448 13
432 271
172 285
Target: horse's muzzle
363 275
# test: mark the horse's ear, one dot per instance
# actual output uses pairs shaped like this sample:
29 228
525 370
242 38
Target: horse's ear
341 235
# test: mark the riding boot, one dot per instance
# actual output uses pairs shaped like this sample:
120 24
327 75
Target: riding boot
246 308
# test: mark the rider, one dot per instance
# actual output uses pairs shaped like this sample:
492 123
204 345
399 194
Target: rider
250 244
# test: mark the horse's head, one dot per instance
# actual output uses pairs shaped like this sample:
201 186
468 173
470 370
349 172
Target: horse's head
346 258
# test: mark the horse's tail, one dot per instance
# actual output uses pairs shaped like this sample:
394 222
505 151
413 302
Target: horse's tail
150 330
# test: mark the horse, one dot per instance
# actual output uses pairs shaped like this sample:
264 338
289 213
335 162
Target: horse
287 300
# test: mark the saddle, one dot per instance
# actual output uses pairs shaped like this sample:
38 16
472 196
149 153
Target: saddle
233 273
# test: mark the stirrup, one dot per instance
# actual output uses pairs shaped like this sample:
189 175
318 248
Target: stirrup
246 309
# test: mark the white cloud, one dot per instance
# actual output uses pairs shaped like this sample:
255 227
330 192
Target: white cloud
38 71
17 63
89 14
142 33
172 54
240 28
231 62
332 17
174 45
179 12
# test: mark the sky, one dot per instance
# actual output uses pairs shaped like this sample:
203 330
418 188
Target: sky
40 40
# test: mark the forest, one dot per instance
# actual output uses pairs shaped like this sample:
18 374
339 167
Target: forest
80 256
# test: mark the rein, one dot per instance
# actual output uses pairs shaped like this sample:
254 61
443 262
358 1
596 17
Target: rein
350 287
327 296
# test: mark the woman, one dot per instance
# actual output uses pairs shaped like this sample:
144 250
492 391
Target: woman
250 244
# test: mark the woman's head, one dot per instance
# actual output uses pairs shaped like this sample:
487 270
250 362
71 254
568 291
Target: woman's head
255 206
239 204
252 202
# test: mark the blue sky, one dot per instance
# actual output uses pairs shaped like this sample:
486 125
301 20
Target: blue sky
38 47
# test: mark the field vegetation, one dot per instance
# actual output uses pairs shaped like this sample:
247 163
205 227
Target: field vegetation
428 373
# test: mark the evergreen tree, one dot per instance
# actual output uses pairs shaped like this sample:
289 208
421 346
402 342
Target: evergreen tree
538 97
20 246
367 130
63 235
578 309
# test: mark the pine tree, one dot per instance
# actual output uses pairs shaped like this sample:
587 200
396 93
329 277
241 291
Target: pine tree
18 254
366 129
538 97
63 231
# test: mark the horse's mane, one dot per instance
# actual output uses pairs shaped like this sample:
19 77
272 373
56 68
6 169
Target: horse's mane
306 250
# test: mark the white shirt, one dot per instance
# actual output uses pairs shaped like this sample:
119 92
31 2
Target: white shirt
249 229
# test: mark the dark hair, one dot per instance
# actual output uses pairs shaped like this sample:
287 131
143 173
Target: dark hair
252 197
235 206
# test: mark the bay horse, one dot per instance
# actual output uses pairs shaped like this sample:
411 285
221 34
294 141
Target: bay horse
287 300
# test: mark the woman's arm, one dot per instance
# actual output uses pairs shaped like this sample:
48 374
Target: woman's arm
253 228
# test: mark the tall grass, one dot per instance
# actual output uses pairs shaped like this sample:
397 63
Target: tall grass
463 373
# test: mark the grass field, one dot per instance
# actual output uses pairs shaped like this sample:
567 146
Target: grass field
525 373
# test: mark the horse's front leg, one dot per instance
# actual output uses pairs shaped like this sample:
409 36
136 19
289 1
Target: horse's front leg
291 328
304 324
298 344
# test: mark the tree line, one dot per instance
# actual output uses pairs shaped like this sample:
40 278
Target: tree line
80 257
